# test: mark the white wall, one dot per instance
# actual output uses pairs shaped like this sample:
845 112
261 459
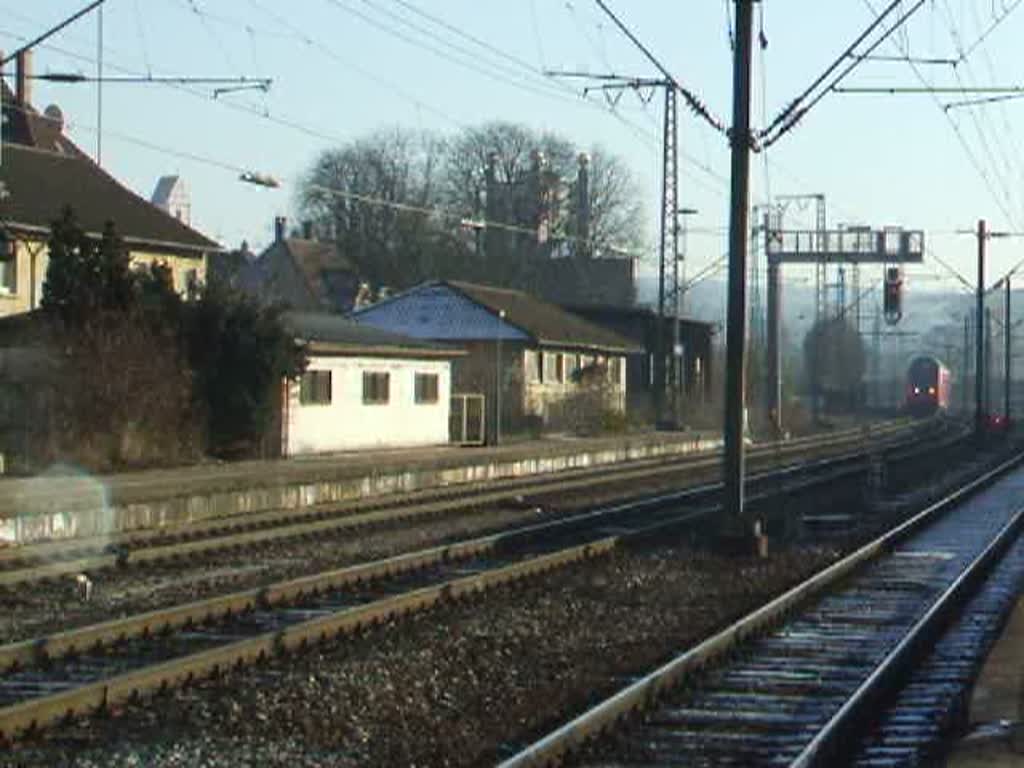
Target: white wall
347 423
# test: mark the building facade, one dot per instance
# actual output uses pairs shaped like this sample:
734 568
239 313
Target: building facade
42 173
538 366
692 380
364 389
305 274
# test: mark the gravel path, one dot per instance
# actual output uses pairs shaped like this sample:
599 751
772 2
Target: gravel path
445 688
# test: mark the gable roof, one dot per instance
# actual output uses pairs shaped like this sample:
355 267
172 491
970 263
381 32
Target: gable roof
44 171
40 184
545 322
23 125
539 321
327 333
640 312
328 279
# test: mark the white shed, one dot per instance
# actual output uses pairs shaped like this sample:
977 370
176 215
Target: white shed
364 388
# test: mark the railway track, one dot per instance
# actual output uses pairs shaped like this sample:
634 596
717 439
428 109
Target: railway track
796 681
83 670
23 565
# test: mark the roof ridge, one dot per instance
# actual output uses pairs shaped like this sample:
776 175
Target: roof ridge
178 233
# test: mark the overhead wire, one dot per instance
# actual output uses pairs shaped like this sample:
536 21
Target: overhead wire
537 37
1010 155
995 25
299 35
462 56
795 112
693 101
142 36
372 200
929 252
193 6
436 19
234 105
980 126
965 146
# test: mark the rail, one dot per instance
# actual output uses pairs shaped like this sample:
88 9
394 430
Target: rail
507 557
149 547
553 748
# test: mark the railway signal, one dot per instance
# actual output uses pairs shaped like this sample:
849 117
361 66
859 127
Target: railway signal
893 302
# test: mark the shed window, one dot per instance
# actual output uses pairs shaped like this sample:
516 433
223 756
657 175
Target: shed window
315 388
426 388
376 388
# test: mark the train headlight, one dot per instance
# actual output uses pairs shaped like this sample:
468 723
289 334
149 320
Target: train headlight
931 390
917 390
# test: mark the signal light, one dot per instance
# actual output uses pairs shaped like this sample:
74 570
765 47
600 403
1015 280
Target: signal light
893 295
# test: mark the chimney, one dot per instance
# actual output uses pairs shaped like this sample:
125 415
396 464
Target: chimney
23 81
307 230
280 223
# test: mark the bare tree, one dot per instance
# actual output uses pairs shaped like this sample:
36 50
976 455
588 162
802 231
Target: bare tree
376 198
835 362
406 206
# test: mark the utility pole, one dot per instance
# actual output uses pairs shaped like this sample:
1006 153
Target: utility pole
967 360
773 351
988 360
1007 344
668 244
668 248
979 334
735 371
99 87
678 378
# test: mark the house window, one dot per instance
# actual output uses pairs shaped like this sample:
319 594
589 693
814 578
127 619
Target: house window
315 388
533 358
550 370
192 283
615 370
376 388
9 273
426 388
559 368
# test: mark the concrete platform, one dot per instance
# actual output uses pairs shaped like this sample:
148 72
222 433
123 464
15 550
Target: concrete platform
67 503
997 705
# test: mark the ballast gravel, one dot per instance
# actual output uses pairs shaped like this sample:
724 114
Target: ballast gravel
461 685
57 605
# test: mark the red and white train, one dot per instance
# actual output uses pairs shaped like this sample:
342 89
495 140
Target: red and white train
928 386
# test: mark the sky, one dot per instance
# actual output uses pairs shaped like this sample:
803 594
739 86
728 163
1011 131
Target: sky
342 69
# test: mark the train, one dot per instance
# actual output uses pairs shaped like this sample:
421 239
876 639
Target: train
928 387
